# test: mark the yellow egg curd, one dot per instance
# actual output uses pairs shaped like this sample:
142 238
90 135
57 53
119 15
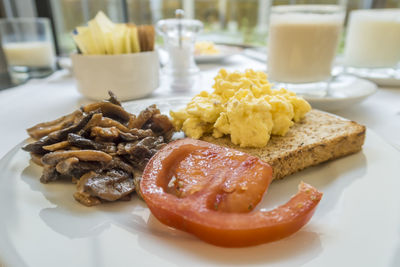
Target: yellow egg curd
205 48
243 106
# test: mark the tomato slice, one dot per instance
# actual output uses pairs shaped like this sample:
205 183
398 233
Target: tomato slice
210 191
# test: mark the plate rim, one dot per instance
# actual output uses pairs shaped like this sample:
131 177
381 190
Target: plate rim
220 56
372 89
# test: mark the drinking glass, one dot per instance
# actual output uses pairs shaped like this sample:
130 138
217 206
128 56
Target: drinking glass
372 46
302 45
28 46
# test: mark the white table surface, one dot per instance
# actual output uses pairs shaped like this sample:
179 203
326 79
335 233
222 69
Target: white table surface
47 99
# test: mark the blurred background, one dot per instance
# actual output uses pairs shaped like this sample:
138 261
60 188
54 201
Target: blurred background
238 22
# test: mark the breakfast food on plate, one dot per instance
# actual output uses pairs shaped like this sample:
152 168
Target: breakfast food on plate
317 138
209 191
251 134
205 48
209 188
102 36
244 113
100 147
243 106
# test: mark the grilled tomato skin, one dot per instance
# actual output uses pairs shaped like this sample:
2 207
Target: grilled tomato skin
210 191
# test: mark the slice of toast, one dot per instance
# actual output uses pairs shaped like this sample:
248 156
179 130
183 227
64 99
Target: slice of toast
317 138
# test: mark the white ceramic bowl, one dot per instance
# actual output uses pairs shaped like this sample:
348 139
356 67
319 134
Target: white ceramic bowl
128 76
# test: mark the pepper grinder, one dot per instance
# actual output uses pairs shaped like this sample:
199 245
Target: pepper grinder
179 38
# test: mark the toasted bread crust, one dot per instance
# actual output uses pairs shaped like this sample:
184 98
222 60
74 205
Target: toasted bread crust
319 137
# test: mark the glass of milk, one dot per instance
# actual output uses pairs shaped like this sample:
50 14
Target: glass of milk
372 44
28 46
302 44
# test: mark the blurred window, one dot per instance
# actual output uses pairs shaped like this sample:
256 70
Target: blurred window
150 11
225 21
233 22
68 14
241 22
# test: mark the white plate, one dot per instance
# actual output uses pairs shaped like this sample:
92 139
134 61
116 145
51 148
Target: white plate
225 52
384 81
345 91
356 224
382 77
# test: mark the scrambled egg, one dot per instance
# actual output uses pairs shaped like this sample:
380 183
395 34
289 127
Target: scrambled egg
244 106
205 48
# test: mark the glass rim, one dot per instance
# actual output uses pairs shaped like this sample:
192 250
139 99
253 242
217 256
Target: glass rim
24 20
310 8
